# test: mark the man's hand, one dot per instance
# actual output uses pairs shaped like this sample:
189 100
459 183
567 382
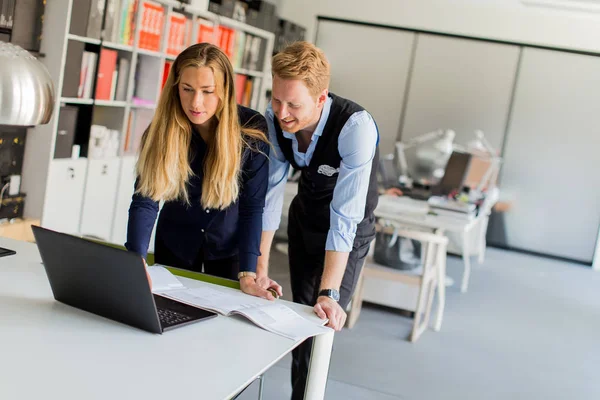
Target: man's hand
394 191
250 286
267 283
330 309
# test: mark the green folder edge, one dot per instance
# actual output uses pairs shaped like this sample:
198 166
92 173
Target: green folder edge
181 272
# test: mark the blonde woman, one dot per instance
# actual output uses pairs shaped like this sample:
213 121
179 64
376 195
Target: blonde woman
206 158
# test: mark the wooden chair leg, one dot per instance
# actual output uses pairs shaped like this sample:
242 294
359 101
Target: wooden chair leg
431 289
441 288
417 328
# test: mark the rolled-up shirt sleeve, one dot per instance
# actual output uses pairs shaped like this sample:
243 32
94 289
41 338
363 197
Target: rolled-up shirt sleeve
357 144
278 173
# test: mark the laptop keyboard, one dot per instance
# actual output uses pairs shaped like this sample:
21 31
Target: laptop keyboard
170 317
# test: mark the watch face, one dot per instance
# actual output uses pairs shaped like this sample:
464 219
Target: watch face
335 295
331 293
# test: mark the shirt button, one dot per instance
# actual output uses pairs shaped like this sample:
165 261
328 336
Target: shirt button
207 210
202 230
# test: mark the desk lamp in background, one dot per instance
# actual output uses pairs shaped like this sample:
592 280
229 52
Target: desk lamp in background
26 93
432 151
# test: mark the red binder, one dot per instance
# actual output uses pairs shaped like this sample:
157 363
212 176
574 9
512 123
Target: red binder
106 68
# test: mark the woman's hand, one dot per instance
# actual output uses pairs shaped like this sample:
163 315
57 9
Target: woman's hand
147 274
267 283
258 287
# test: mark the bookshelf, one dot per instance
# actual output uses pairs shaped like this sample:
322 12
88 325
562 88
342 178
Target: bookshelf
85 189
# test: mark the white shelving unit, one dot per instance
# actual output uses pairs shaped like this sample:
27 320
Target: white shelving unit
91 197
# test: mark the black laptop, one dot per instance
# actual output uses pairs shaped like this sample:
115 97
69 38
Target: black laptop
108 282
453 179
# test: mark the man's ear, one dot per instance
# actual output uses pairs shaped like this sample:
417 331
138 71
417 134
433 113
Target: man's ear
322 98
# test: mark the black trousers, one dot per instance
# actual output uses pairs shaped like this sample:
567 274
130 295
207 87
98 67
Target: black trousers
224 268
306 251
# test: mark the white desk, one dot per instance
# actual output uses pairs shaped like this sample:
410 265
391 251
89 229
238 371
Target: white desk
442 224
53 351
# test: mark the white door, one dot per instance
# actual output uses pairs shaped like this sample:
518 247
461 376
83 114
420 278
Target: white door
64 196
99 199
124 193
551 156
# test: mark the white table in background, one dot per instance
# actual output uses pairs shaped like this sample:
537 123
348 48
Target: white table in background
403 214
52 351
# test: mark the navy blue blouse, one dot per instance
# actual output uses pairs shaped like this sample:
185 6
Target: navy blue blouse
188 229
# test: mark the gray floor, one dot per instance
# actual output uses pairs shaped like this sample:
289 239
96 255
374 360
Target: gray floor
529 328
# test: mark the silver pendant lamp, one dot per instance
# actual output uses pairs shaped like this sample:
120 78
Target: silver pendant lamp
26 89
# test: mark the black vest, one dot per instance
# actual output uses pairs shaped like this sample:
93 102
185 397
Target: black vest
318 179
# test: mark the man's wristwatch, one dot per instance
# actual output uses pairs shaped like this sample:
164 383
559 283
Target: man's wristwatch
331 293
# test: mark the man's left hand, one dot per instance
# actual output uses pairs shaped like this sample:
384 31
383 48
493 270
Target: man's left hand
330 309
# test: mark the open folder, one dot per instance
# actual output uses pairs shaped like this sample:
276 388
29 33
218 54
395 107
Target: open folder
272 316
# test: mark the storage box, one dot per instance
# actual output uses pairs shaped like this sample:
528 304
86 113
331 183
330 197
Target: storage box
12 206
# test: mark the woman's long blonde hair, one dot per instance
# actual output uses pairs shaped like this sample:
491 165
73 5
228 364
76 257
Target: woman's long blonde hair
163 166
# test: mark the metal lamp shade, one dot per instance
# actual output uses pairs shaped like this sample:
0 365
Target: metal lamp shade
26 89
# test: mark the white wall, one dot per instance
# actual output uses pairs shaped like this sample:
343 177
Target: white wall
507 20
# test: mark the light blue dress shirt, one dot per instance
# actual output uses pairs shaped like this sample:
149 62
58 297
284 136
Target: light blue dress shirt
356 144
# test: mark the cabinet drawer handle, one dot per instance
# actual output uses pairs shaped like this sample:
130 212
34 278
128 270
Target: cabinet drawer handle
71 172
104 169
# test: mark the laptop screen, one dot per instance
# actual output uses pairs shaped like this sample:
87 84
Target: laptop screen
455 172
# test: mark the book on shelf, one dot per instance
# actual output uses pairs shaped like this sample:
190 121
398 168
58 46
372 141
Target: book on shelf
147 76
86 18
94 26
254 55
256 93
226 40
166 70
79 18
74 64
240 84
86 75
139 121
206 32
122 80
238 50
179 33
7 9
126 25
247 97
272 316
106 80
111 21
151 25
